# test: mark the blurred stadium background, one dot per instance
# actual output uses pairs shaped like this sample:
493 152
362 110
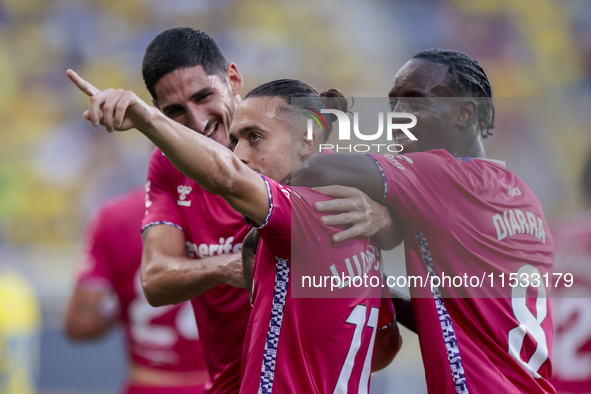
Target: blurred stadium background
55 168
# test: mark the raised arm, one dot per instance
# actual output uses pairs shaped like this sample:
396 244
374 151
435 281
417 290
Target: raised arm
210 164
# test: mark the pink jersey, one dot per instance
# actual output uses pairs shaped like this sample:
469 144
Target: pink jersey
211 228
136 389
474 217
165 337
308 345
572 306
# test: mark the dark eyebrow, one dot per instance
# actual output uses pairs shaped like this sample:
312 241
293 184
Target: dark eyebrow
248 128
195 95
408 93
202 92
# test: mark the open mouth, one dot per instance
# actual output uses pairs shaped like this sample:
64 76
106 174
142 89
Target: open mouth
211 129
402 139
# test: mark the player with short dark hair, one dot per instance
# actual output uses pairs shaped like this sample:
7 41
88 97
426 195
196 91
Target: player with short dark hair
462 214
193 239
181 47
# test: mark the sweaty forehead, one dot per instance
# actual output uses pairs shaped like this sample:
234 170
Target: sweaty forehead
266 112
421 77
184 82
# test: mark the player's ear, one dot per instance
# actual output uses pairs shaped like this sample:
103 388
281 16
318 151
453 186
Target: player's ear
466 113
234 79
307 146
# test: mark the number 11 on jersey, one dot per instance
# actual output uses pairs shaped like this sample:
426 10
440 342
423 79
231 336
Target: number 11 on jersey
357 318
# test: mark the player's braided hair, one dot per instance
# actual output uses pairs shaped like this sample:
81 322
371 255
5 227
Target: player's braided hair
469 80
181 47
310 98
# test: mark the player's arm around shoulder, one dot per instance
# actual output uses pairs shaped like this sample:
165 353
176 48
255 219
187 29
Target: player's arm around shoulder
363 216
356 171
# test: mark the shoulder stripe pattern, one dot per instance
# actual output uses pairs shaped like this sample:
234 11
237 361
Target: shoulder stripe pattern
277 309
383 177
270 195
449 335
163 222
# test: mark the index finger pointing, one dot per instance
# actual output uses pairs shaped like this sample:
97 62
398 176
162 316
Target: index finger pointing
82 84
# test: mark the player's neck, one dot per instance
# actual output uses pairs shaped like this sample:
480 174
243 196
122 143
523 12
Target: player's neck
474 150
286 180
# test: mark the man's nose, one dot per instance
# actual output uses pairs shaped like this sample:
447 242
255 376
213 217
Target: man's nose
401 105
241 152
196 120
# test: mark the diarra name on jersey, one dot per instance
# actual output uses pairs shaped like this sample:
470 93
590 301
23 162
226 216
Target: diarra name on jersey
515 221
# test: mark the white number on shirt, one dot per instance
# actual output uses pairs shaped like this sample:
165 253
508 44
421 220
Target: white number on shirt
141 313
357 318
148 201
574 315
528 323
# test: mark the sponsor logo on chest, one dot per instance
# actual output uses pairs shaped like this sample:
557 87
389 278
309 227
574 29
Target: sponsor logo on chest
183 193
224 246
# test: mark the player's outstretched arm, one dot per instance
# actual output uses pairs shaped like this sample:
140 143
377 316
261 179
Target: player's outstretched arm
168 277
90 314
210 164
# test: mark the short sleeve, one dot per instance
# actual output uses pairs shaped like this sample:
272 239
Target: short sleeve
417 185
276 229
161 195
94 272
